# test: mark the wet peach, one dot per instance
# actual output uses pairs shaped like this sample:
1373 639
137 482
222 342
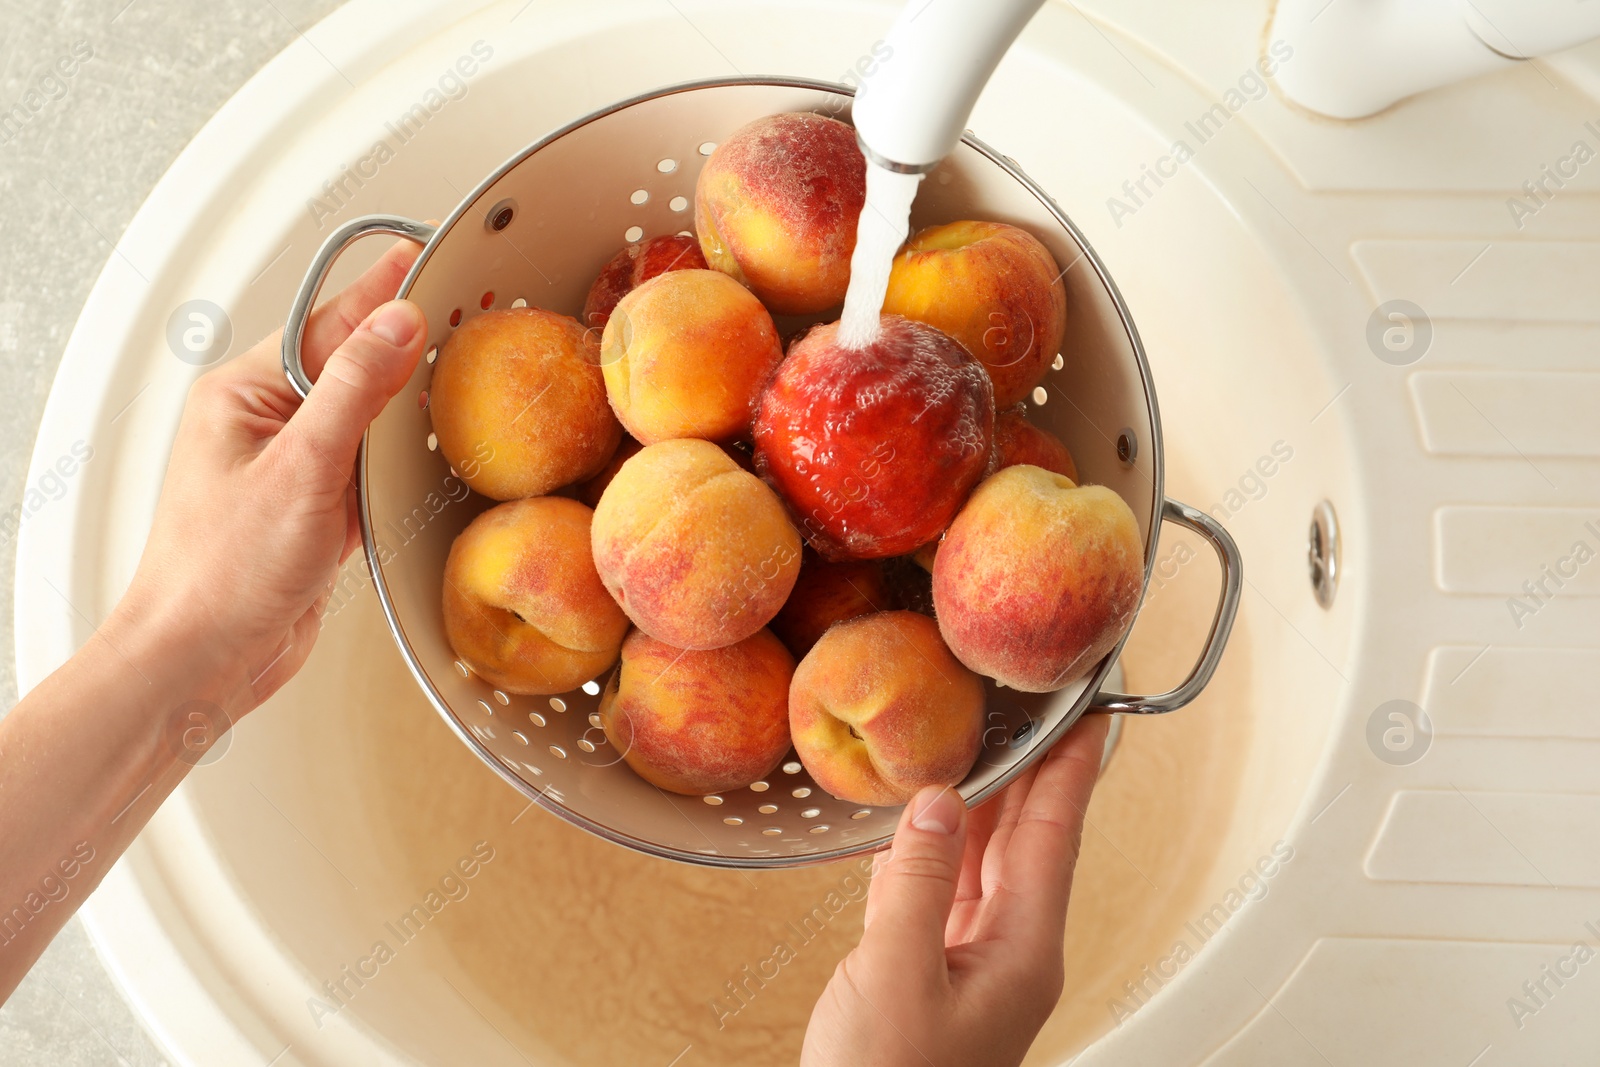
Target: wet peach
635 265
523 604
875 449
686 355
776 207
1038 578
698 552
879 708
991 286
1016 441
826 593
699 722
522 386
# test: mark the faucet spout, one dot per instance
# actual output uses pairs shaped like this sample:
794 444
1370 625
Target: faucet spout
909 113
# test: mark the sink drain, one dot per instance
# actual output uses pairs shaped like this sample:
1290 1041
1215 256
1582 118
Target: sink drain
1323 553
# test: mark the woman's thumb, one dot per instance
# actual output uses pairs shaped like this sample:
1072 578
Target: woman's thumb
359 378
912 894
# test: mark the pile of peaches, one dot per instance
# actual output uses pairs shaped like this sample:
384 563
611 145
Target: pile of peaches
781 542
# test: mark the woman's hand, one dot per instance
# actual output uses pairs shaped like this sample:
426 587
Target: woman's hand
257 512
259 505
961 961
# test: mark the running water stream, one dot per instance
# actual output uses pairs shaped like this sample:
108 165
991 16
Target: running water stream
885 218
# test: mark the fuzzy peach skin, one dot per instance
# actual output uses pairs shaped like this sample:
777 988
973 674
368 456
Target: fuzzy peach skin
1016 441
776 207
635 265
875 449
879 708
994 288
698 722
699 553
686 355
526 384
523 604
826 593
1038 578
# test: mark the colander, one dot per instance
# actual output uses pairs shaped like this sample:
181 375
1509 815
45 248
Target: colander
536 232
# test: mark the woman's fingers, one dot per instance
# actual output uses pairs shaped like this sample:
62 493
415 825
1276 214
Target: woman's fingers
333 322
912 893
1042 852
356 382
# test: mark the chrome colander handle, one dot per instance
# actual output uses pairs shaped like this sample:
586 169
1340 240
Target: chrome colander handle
300 311
1221 622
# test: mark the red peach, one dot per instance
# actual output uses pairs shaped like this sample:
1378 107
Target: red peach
993 287
698 722
1038 578
875 449
635 265
525 385
826 593
523 604
699 553
686 355
776 207
1016 440
879 708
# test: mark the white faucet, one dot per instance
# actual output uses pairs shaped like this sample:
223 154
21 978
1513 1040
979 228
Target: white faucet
1353 58
910 111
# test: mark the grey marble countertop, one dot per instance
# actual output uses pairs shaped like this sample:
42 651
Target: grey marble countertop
76 161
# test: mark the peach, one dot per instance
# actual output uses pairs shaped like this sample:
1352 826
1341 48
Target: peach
523 604
698 722
1038 578
686 355
776 207
1016 440
826 593
991 286
875 449
880 708
635 265
590 491
522 386
698 552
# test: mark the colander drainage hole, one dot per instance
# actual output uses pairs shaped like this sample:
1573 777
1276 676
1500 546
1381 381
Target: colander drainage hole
557 704
433 443
667 166
592 688
639 196
504 700
1039 395
771 831
792 767
801 793
707 147
712 799
1058 363
422 400
632 233
759 787
768 809
679 203
487 301
535 718
520 302
455 317
433 353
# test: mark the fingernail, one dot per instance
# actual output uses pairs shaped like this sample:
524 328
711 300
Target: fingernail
397 322
939 813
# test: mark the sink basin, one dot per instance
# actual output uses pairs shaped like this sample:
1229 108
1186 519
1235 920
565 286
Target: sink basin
307 895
